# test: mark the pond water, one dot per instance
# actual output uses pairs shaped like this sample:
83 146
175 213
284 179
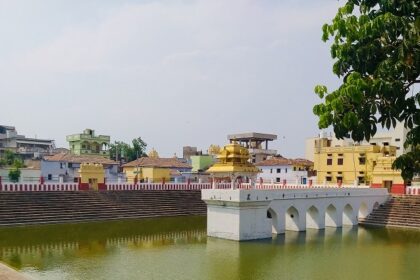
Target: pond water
178 248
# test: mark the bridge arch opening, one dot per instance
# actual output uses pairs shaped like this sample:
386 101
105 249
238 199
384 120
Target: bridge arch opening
292 219
363 210
331 216
349 217
272 215
313 218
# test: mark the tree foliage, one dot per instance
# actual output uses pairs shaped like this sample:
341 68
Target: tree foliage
126 152
14 175
376 48
10 158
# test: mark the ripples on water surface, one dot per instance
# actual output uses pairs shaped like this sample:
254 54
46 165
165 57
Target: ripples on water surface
177 248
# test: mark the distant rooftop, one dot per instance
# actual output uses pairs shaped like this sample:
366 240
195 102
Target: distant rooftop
67 157
252 136
157 162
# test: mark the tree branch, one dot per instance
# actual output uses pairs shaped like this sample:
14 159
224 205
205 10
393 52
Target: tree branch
411 83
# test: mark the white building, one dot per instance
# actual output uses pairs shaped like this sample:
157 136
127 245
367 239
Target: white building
27 148
280 170
393 137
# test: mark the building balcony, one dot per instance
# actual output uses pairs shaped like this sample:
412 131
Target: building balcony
262 151
80 137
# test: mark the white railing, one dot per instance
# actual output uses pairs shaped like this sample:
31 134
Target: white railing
34 187
30 187
275 186
413 190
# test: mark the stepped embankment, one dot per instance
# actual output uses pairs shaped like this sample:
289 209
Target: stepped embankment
400 211
25 208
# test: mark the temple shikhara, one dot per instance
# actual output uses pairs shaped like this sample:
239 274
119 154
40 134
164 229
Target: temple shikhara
233 165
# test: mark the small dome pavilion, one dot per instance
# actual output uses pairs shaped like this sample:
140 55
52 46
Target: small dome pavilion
234 164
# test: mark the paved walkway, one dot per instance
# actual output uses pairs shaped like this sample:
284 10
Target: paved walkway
7 273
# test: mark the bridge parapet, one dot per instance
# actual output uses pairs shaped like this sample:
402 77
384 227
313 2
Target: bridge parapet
254 214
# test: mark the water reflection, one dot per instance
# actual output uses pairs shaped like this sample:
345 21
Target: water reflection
44 246
177 248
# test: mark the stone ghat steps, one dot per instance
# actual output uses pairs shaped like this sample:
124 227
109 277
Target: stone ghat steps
61 207
399 211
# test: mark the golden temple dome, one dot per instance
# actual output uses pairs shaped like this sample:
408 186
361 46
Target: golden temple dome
233 158
153 154
214 150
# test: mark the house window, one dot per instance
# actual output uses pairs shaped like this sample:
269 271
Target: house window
61 165
285 170
294 168
278 170
49 177
339 179
362 160
329 161
70 165
386 144
278 180
340 161
361 180
397 139
328 178
271 170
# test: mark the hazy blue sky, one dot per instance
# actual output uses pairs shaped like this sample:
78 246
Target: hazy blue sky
173 72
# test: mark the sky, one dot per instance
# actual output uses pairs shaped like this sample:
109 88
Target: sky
176 73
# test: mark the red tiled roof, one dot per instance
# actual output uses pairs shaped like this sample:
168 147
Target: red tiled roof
66 157
157 162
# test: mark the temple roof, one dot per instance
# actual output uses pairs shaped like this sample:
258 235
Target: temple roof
233 158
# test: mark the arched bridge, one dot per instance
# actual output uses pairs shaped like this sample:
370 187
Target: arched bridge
239 214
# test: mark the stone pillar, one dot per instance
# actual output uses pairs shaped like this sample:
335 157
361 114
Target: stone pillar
232 182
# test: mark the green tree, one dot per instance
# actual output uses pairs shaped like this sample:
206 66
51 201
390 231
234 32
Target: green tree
120 150
9 157
14 173
376 48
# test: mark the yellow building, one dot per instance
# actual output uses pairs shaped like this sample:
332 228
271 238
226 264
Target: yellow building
364 165
384 176
154 169
92 175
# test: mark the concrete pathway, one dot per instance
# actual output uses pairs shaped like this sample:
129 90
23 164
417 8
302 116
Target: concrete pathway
7 273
